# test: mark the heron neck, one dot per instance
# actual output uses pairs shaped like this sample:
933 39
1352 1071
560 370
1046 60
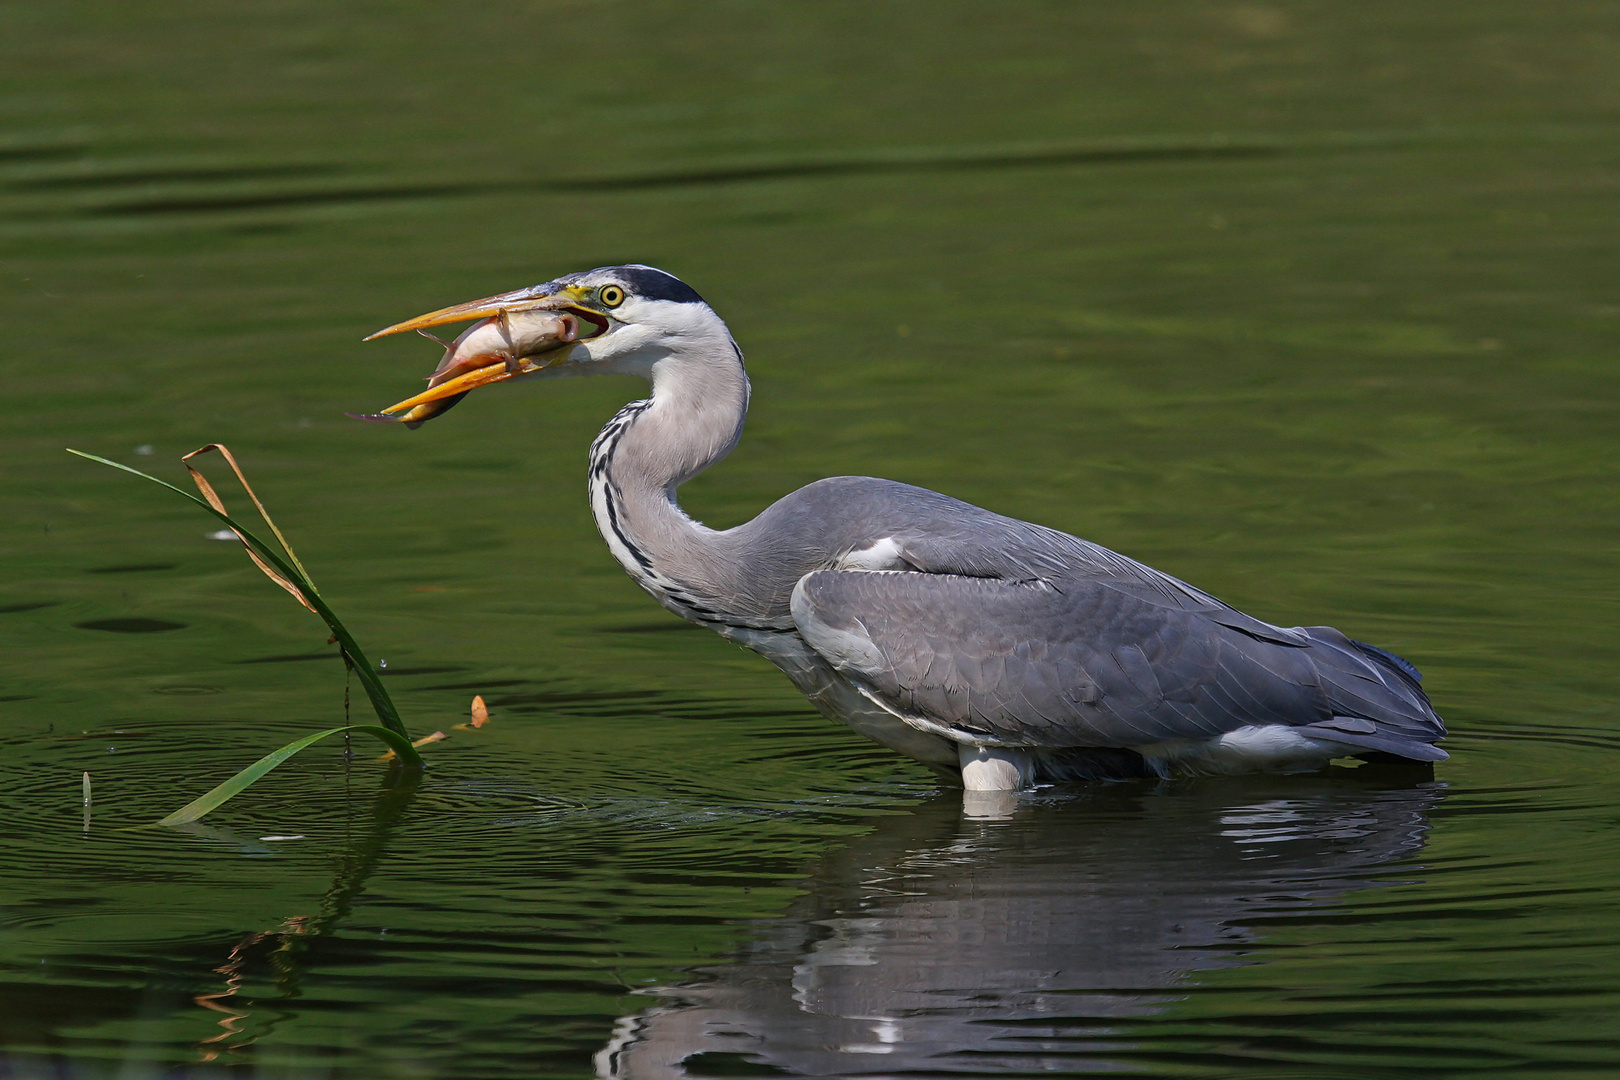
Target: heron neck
693 419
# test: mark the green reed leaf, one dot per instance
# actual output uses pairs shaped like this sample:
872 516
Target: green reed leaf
230 789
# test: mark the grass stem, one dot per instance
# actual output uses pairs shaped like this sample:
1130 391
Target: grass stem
284 568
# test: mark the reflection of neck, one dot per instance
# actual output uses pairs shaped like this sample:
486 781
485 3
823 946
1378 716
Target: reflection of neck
692 420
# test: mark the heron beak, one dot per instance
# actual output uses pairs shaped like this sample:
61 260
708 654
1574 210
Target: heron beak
502 366
499 371
534 298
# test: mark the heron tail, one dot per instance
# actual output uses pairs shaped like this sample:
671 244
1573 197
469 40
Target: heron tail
1376 698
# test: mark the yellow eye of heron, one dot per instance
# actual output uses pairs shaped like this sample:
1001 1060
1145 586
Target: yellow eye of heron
611 296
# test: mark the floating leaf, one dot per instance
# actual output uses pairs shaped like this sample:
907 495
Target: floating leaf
480 715
437 736
212 800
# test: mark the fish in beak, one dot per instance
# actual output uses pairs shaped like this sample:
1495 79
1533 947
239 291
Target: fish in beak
517 333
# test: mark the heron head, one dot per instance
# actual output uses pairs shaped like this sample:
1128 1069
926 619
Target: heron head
614 319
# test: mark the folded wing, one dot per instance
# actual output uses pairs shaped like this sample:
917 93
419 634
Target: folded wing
1103 656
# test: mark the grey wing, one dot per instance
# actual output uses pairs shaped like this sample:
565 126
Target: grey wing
1092 661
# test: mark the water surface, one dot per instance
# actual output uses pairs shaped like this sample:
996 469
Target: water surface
1314 308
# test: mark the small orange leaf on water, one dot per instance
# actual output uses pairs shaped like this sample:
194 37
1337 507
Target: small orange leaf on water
437 736
479 713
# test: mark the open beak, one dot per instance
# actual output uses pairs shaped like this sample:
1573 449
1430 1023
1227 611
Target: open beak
467 369
534 298
410 410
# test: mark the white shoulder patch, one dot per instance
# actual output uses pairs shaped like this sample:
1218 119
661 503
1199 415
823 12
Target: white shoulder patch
882 554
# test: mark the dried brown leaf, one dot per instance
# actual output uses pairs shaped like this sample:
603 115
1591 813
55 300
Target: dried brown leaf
214 500
437 736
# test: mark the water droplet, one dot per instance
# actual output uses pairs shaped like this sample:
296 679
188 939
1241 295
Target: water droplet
144 450
382 663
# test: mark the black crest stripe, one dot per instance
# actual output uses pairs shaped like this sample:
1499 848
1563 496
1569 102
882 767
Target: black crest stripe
657 285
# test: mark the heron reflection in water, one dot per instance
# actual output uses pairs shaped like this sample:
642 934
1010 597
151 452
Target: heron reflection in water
938 945
998 652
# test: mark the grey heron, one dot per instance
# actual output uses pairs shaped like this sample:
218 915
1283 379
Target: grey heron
998 652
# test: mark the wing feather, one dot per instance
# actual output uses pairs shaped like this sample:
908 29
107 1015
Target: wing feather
1083 663
1000 629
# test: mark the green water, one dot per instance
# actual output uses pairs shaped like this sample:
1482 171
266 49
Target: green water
1314 306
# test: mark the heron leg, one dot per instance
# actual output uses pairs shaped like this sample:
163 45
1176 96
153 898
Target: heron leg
995 768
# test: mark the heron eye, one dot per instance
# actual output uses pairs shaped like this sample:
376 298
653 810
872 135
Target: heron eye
611 296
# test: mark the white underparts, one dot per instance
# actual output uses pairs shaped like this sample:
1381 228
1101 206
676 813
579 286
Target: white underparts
839 699
1275 748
